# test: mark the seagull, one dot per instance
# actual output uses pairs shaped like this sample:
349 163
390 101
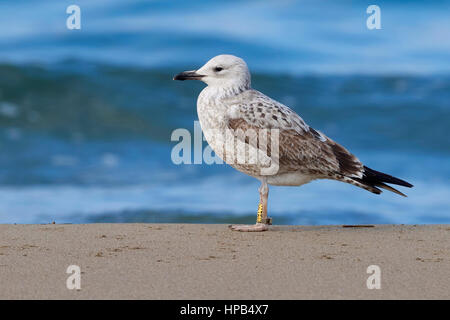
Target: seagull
302 154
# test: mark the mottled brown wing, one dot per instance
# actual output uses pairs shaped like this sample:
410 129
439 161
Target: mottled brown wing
307 152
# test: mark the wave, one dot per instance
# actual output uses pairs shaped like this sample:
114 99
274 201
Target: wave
290 36
203 202
85 101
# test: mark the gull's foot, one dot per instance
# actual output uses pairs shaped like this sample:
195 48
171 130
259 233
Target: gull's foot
250 228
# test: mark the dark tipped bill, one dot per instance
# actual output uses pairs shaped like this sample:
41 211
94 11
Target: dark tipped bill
188 75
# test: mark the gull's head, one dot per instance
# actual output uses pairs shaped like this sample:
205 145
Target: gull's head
225 71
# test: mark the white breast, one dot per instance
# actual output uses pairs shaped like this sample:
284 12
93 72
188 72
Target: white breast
212 115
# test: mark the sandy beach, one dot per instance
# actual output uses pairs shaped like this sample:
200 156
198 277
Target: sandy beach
191 261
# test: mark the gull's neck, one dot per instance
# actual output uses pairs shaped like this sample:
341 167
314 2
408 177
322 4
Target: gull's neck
212 104
224 92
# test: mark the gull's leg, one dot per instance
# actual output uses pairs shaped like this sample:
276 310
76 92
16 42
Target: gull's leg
262 221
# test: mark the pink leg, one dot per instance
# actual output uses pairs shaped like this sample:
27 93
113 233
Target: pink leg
262 222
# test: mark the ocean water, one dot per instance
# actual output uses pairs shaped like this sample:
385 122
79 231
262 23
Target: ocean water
86 115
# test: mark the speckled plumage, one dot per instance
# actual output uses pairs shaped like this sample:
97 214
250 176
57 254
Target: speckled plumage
304 153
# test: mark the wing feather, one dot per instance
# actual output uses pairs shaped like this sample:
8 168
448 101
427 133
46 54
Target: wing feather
301 148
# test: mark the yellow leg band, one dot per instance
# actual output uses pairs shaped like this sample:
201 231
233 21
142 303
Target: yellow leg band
259 214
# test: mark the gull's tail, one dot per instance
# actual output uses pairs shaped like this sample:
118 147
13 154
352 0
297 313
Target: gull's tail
373 180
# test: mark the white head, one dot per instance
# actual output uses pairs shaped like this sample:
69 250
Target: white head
225 71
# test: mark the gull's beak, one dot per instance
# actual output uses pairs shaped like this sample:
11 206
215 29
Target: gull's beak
188 75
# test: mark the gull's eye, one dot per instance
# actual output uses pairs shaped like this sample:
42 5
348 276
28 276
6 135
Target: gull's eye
218 69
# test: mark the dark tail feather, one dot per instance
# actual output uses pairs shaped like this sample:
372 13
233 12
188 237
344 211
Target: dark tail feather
373 176
385 186
376 179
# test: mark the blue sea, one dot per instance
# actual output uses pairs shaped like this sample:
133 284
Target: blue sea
86 115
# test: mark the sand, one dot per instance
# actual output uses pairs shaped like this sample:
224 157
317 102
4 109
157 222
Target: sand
189 261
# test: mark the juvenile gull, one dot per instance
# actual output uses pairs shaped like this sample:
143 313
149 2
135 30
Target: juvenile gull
302 154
